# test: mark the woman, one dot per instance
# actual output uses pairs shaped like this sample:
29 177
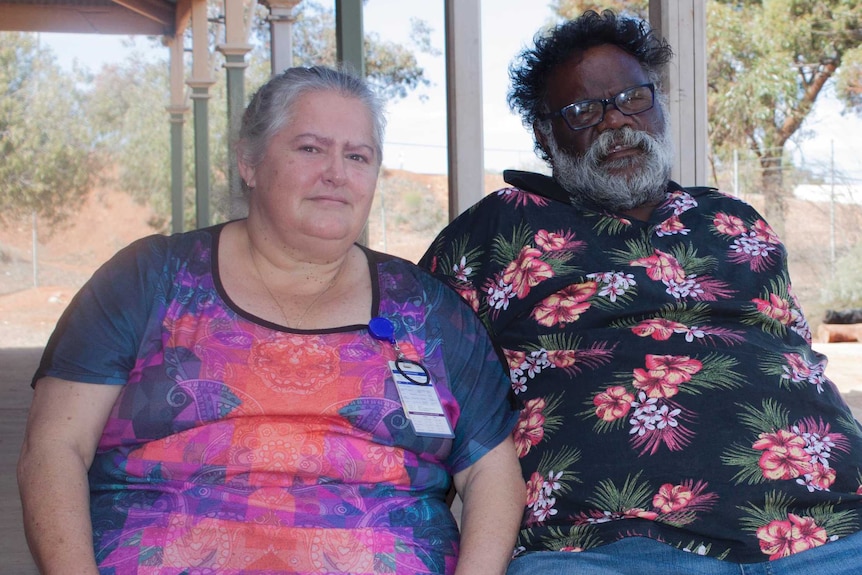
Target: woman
225 400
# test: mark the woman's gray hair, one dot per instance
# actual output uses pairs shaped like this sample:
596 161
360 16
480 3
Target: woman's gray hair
271 107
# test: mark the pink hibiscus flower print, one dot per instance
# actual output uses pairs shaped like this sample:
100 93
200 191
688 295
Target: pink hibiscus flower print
519 197
776 308
784 538
638 513
529 430
672 500
672 226
784 455
534 489
729 225
661 267
562 358
526 271
550 241
820 478
515 360
470 296
664 374
613 403
564 306
659 329
763 232
556 241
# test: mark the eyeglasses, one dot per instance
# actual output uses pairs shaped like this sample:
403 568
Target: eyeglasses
589 113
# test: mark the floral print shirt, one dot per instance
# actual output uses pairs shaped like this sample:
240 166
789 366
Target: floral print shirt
668 386
240 447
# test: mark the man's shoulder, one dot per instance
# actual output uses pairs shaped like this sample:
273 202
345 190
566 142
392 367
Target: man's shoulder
538 184
523 190
714 198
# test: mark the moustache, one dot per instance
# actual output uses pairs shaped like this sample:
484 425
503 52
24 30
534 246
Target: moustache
625 137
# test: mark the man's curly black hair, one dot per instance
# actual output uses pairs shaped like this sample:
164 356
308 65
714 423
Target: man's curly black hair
530 72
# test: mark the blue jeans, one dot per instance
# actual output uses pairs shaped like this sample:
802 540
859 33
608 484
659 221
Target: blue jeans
642 556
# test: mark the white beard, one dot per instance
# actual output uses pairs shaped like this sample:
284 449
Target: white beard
590 176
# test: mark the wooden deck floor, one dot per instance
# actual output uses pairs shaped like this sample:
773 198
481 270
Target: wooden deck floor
16 368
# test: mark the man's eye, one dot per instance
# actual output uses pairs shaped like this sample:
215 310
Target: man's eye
584 109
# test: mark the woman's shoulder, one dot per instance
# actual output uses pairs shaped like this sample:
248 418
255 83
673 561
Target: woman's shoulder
400 279
155 252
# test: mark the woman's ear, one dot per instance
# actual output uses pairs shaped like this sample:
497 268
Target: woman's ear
246 172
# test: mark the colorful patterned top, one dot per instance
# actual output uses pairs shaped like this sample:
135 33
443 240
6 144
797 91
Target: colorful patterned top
237 446
668 384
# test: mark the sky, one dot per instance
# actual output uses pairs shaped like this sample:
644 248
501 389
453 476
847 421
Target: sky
416 130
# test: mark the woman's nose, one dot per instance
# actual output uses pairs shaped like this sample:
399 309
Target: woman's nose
336 172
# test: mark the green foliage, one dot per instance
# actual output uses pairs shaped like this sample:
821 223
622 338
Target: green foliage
849 83
46 160
569 9
845 289
51 156
391 68
128 108
768 63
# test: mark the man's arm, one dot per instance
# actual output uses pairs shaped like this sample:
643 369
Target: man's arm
494 493
63 429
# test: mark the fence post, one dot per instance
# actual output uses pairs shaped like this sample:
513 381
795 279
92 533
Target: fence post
35 253
832 210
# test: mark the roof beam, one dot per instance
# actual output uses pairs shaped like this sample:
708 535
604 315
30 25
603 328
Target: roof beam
155 10
104 18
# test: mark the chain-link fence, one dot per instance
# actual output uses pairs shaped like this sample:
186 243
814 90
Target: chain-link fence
822 223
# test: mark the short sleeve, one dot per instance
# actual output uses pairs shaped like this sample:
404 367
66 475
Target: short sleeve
488 411
97 338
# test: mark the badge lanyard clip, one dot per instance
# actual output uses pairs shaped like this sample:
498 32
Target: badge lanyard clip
419 399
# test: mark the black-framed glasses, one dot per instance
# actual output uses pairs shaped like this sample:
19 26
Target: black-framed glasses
589 113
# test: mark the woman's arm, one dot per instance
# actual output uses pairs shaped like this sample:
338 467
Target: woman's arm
493 493
63 429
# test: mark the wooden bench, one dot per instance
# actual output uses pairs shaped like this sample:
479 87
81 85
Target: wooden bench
839 332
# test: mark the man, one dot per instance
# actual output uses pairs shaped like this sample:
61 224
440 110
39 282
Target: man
675 418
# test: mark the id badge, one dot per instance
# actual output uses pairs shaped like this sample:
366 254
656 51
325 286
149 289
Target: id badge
422 405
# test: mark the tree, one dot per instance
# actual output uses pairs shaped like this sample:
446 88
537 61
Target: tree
570 9
768 64
769 61
128 107
57 131
391 68
46 160
129 102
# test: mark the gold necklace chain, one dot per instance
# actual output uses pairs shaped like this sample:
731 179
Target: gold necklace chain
278 304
